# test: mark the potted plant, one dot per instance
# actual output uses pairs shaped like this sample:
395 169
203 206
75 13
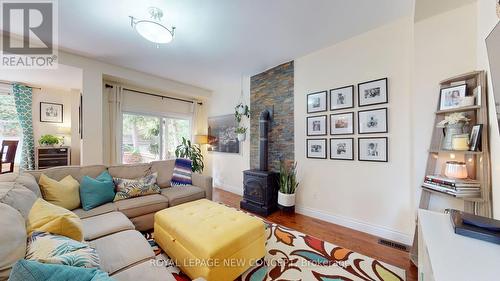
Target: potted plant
241 110
48 140
288 186
187 150
452 124
241 131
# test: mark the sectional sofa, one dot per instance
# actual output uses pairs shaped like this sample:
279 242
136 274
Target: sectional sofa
112 229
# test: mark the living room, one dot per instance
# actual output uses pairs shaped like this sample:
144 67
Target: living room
312 140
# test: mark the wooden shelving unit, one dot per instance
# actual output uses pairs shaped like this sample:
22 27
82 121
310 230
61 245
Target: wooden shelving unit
478 162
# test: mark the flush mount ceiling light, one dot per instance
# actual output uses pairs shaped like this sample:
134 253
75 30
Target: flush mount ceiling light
152 29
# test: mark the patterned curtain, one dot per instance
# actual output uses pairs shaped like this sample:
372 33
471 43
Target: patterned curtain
23 100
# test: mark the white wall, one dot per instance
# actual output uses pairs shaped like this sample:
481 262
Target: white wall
70 114
227 168
486 21
92 88
443 47
371 197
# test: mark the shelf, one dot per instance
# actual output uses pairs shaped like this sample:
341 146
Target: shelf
473 199
460 109
454 151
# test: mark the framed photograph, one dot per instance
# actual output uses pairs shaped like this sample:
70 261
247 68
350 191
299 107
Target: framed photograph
51 112
316 102
373 92
372 121
373 149
316 125
342 124
221 134
316 148
475 137
342 98
342 149
451 97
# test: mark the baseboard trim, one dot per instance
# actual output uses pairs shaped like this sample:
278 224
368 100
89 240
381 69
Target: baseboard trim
230 188
356 224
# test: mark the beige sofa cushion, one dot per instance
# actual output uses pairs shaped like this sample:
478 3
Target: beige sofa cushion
12 239
17 196
77 172
165 170
103 209
105 224
181 194
138 206
145 222
24 179
145 271
132 171
121 250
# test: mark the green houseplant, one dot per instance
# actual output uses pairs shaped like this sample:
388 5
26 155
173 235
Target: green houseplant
241 131
187 150
48 140
288 185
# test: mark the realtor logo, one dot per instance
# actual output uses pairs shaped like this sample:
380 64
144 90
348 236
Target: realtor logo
29 34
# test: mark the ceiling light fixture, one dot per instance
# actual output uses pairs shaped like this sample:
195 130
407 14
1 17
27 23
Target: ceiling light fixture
152 29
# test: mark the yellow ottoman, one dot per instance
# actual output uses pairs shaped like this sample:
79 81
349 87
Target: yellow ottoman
210 240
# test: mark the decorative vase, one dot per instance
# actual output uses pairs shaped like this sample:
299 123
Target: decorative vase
242 137
450 131
286 202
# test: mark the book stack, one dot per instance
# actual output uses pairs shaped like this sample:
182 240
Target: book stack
455 187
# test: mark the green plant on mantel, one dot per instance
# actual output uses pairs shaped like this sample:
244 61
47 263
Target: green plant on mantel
48 140
288 178
187 150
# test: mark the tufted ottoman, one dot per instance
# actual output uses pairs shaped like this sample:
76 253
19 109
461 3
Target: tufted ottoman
210 240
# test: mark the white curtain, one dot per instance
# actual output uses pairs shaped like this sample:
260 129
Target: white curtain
194 122
115 123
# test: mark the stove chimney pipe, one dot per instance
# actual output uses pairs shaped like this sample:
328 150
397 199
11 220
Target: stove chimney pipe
264 120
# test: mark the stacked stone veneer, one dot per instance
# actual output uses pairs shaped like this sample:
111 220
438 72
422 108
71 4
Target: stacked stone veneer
273 87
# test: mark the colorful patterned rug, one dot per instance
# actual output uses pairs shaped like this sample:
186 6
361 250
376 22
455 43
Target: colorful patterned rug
292 255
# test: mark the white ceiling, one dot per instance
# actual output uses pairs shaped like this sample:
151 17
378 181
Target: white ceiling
217 40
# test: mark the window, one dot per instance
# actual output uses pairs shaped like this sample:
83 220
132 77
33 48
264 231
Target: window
146 138
9 124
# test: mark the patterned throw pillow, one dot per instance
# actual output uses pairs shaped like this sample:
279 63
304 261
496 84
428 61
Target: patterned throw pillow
48 248
182 172
128 188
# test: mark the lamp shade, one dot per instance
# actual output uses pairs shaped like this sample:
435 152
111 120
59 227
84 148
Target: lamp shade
455 169
201 139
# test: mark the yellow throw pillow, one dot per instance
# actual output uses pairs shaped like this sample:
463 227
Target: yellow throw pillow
48 217
64 193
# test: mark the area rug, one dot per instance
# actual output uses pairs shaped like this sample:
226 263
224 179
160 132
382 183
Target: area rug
292 255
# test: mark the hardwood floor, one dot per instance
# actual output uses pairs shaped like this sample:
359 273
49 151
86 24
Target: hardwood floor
342 236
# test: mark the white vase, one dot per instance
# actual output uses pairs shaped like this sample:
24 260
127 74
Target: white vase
242 137
286 200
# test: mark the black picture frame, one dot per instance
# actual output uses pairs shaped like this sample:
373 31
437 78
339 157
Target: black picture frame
374 132
386 84
339 134
60 120
324 140
337 89
325 93
317 116
352 146
386 158
475 137
461 88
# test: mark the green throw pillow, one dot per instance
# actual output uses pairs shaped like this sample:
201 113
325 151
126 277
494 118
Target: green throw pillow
25 270
98 191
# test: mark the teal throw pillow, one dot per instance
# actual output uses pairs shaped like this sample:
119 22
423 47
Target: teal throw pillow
98 191
25 270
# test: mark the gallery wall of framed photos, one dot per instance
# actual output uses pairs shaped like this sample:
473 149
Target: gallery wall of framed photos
334 120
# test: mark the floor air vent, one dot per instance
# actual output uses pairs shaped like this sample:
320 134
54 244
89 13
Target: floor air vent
394 245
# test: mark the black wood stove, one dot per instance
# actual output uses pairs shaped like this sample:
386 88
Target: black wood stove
260 187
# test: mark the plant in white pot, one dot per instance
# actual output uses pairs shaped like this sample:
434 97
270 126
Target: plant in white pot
288 186
241 131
